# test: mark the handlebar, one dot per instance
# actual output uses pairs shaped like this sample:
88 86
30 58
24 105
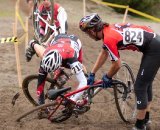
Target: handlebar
91 93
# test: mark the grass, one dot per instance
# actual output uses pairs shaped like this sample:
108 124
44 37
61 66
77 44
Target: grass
5 14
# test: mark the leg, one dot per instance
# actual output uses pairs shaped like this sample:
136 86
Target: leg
33 48
39 50
147 115
143 88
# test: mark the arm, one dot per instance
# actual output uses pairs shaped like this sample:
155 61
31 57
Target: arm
100 60
114 68
84 69
40 86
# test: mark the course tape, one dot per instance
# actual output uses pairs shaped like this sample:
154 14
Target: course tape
8 39
20 20
129 9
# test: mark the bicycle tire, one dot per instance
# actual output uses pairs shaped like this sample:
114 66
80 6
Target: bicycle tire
35 109
57 117
126 113
36 25
26 87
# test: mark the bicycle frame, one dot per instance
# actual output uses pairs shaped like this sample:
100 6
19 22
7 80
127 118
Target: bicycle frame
68 95
53 27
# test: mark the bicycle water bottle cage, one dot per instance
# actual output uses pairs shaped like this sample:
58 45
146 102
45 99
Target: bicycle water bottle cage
53 94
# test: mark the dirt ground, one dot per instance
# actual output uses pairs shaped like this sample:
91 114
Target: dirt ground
103 114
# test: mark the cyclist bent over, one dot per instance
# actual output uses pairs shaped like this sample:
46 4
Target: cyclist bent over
126 37
64 51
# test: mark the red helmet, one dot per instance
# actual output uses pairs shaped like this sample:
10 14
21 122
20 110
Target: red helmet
90 22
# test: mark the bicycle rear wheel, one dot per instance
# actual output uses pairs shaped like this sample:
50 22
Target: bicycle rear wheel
29 87
126 106
36 20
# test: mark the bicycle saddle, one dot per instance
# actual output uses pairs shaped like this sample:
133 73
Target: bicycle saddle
53 94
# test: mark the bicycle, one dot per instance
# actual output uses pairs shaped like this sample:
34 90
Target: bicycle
50 27
60 111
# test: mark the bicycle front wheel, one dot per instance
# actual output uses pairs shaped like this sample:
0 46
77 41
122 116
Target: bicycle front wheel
56 112
32 113
29 87
39 24
126 106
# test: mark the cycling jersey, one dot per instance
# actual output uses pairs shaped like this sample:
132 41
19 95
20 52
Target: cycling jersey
69 47
126 36
60 17
136 38
74 44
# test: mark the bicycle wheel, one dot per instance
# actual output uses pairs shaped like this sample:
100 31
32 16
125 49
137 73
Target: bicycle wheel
126 107
47 16
29 87
56 112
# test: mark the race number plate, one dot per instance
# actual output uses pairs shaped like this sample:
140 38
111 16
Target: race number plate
76 67
133 36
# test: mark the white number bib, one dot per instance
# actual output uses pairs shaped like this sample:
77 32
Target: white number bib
76 67
133 35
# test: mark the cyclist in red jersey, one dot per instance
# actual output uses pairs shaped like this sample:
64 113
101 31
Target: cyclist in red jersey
60 19
64 51
126 37
59 15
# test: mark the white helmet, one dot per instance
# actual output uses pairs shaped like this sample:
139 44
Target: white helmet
51 61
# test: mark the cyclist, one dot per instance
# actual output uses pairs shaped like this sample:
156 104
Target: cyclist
64 51
126 37
60 19
59 15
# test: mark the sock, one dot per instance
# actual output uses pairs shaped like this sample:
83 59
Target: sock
146 117
140 124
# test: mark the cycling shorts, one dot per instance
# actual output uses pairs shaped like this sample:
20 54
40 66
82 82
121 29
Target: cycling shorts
149 66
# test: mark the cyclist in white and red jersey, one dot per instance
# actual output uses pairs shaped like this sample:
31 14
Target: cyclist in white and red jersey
64 51
60 20
126 37
59 15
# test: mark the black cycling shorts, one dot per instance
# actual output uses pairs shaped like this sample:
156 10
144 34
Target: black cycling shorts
149 66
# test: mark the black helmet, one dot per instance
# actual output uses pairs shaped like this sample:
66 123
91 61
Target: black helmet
90 22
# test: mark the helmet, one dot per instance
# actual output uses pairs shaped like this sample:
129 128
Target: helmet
91 21
51 61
